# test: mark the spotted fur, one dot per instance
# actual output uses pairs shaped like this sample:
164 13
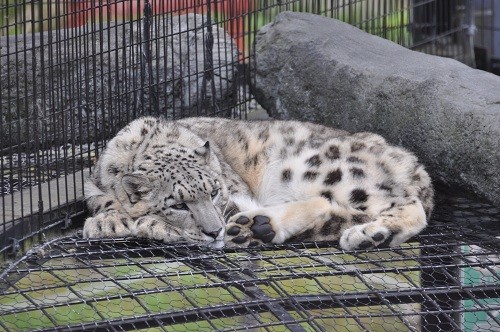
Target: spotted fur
239 183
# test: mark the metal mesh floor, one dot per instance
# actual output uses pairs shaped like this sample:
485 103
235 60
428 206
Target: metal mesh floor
447 279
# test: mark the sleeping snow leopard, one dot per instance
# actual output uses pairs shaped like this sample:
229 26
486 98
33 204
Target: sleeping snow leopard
223 182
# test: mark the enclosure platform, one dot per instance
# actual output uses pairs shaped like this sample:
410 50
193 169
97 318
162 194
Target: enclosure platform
446 279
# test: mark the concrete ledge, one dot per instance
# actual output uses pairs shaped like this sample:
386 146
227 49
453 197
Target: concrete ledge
33 209
318 69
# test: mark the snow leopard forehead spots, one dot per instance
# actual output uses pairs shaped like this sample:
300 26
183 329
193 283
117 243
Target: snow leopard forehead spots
191 183
180 172
191 190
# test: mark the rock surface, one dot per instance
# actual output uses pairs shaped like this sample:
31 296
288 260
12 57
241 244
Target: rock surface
85 83
318 69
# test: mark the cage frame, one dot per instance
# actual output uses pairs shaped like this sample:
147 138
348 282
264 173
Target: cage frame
441 307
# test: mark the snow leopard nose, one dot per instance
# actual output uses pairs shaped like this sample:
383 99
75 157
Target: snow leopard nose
214 234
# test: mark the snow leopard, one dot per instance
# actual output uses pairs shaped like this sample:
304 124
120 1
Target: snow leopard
238 183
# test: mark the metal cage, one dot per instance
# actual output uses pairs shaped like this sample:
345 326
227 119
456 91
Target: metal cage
73 72
446 279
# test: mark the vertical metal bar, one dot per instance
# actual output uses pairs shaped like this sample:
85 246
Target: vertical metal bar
402 26
55 113
140 97
192 75
495 30
38 133
172 67
126 91
470 31
148 58
3 181
438 277
208 69
165 19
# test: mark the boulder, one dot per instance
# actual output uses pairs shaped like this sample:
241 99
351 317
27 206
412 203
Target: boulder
318 69
75 85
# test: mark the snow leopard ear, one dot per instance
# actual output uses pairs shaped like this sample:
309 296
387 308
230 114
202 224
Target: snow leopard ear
203 151
136 185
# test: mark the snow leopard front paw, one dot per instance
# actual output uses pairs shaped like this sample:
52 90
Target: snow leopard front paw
245 230
365 236
108 224
151 227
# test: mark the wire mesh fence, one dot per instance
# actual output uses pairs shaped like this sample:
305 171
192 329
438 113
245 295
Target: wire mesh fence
487 36
447 279
72 73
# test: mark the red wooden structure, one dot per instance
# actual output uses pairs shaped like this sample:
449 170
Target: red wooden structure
81 11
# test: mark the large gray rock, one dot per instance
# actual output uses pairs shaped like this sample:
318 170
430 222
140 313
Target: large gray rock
322 70
85 83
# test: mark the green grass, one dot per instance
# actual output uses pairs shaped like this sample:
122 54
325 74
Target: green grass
25 321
